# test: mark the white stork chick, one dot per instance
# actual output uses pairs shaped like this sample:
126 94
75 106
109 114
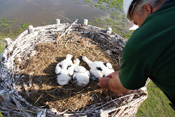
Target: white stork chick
64 70
98 69
81 75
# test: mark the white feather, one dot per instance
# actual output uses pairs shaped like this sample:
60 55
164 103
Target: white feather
81 75
98 68
63 79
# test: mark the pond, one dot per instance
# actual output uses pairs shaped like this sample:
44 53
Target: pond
16 15
46 11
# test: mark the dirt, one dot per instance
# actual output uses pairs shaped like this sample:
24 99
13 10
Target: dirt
38 79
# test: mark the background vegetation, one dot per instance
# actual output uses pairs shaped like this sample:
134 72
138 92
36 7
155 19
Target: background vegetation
117 18
8 28
157 105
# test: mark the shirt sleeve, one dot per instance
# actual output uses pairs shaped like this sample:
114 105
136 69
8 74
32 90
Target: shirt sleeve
134 69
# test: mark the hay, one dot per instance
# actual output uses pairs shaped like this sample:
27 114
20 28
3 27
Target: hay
28 83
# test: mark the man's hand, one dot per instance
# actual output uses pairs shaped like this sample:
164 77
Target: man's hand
113 83
103 82
113 75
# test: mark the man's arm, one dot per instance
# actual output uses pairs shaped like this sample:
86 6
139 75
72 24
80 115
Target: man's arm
113 83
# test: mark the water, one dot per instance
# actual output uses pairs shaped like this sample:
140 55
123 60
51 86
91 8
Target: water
25 11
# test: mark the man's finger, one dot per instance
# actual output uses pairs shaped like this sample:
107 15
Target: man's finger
109 75
99 79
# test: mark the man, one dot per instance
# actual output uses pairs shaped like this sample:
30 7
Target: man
150 51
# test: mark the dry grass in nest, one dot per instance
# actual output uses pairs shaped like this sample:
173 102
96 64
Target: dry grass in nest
38 84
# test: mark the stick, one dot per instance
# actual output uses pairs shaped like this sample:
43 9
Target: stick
69 28
50 95
21 109
38 98
114 100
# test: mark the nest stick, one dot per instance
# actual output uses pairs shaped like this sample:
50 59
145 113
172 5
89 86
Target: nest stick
114 100
38 98
68 29
17 109
50 95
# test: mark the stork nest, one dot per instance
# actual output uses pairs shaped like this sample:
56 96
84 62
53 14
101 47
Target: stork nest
31 68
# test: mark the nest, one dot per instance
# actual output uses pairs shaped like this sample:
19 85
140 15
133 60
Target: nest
28 83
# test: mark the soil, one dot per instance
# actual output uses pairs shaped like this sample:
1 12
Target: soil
38 79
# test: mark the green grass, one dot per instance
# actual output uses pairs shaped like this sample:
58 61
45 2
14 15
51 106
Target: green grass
1 114
1 48
25 25
116 19
87 1
156 105
7 30
107 4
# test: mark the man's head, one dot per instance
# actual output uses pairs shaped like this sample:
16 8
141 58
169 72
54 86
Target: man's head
138 10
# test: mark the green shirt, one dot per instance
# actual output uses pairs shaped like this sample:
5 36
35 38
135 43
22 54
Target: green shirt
150 52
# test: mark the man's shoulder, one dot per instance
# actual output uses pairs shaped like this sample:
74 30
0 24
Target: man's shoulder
154 29
137 41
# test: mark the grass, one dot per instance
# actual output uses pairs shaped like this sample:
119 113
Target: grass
106 4
7 26
7 30
1 48
116 19
1 114
156 105
87 1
